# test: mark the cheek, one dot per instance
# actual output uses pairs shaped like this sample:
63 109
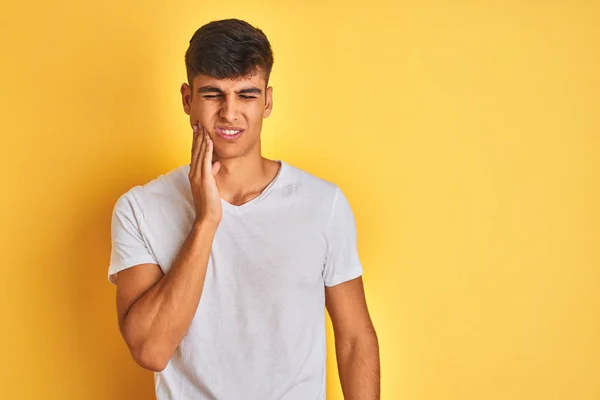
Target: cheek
256 113
203 113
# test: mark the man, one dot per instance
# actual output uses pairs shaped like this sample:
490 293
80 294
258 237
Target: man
224 266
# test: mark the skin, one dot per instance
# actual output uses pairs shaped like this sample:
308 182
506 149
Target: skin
243 173
356 343
155 310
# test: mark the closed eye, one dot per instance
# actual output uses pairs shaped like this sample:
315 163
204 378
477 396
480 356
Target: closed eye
219 95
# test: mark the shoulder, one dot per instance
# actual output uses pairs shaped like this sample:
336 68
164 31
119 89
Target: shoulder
323 195
168 187
305 183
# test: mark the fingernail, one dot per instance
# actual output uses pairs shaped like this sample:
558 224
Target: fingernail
195 127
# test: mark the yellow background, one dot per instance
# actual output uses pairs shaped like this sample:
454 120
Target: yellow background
465 135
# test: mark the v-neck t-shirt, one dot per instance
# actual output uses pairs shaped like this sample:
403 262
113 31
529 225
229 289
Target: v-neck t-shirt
259 328
239 209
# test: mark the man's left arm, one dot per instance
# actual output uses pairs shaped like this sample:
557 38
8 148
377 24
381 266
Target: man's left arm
356 344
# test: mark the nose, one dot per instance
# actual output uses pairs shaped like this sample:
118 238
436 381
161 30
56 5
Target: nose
229 108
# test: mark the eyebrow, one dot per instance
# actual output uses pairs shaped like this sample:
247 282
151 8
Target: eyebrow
214 89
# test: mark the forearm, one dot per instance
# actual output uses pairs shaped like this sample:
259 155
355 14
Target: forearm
359 370
160 318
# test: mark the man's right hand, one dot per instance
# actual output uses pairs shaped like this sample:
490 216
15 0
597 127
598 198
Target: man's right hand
203 182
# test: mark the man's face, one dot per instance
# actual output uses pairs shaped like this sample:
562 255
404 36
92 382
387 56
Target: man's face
229 104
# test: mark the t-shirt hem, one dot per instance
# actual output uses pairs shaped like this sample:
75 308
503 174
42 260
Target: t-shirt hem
341 278
128 263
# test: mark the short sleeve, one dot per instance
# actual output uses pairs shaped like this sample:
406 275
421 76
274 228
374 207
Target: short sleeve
128 247
342 262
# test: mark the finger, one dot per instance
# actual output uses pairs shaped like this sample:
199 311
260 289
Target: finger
195 149
201 151
193 152
208 158
198 150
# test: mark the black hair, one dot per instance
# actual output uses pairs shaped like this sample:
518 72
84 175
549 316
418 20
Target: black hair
229 48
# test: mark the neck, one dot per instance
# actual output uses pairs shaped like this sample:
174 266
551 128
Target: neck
241 176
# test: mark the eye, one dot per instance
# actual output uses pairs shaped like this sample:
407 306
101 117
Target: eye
212 96
247 97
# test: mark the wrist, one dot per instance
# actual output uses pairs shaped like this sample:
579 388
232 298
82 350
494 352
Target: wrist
204 224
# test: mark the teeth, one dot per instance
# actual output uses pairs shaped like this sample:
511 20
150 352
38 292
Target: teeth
229 132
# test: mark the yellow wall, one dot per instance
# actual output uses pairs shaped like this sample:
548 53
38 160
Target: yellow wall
465 134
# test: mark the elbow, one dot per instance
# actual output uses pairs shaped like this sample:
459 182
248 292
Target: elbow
150 356
148 352
365 341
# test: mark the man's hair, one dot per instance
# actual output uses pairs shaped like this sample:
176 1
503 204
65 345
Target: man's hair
229 48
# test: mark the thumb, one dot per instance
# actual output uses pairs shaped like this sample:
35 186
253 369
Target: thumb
216 167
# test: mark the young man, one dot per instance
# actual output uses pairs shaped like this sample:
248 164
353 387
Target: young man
224 266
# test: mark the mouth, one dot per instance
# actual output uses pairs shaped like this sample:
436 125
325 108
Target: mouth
229 133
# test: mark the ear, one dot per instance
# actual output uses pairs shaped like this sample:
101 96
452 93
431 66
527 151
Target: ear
186 98
268 102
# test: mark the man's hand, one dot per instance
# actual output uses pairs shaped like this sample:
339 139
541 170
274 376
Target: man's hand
206 194
155 310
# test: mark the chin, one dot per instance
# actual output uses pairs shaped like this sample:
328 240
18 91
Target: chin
227 154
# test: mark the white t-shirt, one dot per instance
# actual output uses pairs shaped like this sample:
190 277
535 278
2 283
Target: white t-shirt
259 329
